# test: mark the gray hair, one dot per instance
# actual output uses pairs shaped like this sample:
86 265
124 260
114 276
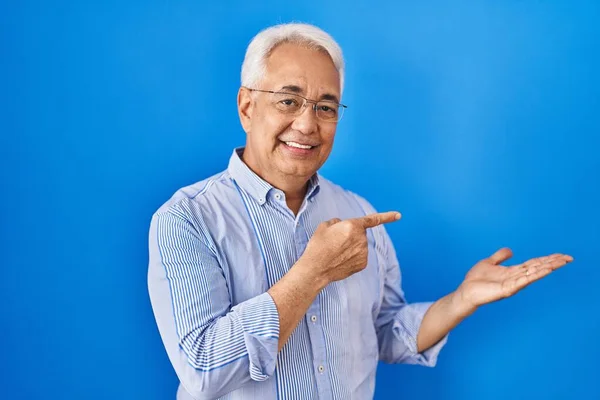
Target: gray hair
261 46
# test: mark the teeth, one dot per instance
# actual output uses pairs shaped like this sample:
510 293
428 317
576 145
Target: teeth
298 145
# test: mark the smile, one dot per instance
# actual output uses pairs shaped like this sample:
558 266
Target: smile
299 145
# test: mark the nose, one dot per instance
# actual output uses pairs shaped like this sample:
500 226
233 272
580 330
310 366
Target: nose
307 121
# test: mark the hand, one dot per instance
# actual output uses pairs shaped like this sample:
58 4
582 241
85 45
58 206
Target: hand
339 249
489 281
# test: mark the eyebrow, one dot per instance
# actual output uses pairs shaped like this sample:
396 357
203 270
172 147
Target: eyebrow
298 90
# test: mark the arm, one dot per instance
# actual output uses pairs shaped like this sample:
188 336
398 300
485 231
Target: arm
337 250
486 282
415 333
440 319
293 294
214 348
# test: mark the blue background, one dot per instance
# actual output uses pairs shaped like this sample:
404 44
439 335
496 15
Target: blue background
479 121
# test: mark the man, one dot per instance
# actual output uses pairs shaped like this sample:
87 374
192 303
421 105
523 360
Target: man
270 282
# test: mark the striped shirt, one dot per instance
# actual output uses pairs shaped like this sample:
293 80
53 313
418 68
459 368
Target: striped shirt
217 246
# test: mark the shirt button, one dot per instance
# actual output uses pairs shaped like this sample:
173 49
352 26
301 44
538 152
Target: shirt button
313 318
321 369
277 196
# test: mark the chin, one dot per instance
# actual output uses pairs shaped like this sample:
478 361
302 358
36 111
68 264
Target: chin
298 170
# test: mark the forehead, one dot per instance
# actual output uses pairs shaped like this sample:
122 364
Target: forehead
311 70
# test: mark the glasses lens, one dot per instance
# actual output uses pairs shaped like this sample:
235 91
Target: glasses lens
329 111
291 104
288 103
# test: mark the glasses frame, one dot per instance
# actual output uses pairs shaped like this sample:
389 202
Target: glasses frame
313 102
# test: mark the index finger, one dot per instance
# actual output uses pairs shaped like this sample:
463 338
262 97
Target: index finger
372 220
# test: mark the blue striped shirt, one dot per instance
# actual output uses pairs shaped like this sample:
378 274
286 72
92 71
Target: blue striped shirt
217 246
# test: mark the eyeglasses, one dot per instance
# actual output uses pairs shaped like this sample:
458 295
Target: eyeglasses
293 105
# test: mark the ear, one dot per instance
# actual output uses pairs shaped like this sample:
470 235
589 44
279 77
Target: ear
245 106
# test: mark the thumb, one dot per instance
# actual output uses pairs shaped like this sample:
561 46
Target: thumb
500 256
328 223
332 221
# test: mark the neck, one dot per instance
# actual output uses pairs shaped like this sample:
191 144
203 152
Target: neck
294 189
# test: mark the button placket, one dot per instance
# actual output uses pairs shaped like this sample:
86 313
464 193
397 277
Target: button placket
313 320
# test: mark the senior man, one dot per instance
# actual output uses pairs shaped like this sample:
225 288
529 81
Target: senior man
267 280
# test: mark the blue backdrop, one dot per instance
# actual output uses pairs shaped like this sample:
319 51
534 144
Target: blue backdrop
479 121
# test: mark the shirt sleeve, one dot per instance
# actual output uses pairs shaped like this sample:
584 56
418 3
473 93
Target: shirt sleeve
398 323
214 348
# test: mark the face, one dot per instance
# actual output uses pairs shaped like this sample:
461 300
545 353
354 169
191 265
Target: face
273 137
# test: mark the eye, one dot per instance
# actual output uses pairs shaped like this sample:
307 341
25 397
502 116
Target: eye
327 109
289 102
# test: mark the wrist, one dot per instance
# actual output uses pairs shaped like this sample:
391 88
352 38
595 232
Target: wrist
311 274
461 304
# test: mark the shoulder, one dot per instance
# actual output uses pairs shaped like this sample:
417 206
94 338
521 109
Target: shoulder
339 193
195 199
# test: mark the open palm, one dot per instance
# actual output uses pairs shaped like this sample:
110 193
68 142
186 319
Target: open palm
489 281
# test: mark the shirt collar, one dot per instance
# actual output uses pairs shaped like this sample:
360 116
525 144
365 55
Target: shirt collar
254 185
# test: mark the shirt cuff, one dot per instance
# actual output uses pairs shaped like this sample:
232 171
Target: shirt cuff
260 321
406 326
